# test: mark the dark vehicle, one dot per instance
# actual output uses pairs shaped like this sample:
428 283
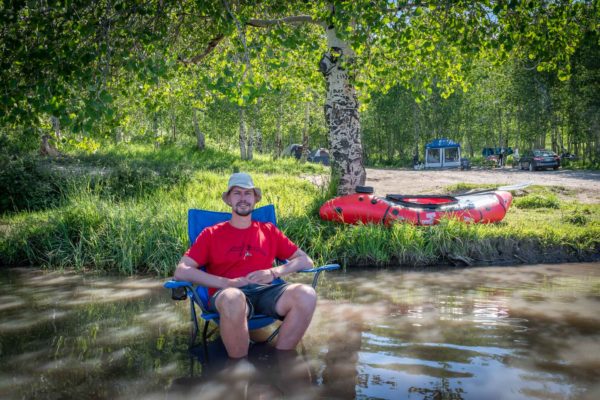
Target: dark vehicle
539 159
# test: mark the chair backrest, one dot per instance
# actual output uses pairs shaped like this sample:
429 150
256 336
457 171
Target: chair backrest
200 219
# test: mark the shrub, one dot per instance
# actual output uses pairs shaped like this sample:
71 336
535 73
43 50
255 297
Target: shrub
577 217
26 186
537 201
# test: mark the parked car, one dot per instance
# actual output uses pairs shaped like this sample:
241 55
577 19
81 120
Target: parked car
539 159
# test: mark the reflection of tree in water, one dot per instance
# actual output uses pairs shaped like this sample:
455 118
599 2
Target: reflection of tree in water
340 374
440 391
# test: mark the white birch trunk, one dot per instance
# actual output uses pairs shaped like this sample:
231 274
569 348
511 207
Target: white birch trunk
200 139
278 133
155 131
341 114
258 138
250 142
242 133
56 127
305 131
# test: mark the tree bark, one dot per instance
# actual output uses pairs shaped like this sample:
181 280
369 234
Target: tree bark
118 134
258 138
341 115
56 127
200 139
155 131
246 142
250 142
242 135
47 149
305 133
174 125
278 133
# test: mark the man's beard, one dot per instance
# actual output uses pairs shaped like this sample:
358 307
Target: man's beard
245 213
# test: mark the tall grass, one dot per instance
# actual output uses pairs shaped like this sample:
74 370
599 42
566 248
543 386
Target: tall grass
131 218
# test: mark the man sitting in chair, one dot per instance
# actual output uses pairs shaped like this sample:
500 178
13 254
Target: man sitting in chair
238 258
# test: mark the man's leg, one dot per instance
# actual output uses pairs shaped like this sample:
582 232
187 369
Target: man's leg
231 304
297 304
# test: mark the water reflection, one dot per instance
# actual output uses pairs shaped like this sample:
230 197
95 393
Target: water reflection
479 333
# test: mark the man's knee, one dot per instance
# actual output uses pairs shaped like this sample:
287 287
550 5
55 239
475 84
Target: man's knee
231 302
300 296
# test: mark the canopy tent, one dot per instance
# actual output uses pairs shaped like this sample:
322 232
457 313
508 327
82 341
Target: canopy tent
441 153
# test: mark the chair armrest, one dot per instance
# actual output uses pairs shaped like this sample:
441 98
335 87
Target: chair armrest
173 284
328 267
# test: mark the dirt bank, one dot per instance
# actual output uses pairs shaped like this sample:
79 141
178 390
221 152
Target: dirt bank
582 185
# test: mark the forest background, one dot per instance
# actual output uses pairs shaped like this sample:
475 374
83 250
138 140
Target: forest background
141 109
522 74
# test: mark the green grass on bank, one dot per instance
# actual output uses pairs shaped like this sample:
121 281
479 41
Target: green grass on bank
120 212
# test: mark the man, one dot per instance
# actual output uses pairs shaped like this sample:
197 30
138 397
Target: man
238 258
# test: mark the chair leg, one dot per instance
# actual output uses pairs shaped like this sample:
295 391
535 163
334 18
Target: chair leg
204 342
315 281
272 335
195 327
205 332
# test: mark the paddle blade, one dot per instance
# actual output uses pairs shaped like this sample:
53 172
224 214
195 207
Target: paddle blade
516 186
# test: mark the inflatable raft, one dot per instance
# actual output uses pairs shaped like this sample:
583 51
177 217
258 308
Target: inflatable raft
363 207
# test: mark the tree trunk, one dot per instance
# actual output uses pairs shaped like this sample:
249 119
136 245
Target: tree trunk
258 139
200 139
243 136
250 142
278 133
341 115
56 127
416 131
305 133
174 126
46 148
118 134
155 131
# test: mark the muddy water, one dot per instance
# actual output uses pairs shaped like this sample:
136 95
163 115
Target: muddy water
479 333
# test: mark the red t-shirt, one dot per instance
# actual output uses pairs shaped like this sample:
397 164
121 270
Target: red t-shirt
230 252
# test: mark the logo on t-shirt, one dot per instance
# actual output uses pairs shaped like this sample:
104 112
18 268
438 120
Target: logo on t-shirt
245 251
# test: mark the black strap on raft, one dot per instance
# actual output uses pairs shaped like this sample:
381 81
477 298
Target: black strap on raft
404 199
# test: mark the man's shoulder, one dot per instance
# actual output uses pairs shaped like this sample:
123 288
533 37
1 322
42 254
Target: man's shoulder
265 225
216 228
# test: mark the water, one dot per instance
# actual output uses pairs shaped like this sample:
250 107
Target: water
479 333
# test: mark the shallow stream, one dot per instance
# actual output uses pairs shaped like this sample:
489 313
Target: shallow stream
528 332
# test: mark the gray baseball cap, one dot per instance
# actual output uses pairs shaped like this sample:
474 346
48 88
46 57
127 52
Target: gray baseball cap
244 181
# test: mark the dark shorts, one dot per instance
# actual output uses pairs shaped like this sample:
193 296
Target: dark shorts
261 299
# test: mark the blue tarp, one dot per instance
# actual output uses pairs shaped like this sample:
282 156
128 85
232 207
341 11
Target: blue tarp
490 151
441 144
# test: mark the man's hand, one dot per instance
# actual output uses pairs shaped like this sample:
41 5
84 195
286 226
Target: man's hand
262 276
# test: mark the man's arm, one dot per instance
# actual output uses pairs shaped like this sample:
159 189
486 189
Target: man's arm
187 270
299 260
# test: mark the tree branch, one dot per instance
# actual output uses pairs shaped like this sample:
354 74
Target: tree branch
214 42
293 20
257 23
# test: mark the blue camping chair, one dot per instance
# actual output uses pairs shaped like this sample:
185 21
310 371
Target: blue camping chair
198 295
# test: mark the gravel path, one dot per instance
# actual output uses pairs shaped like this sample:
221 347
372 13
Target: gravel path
585 185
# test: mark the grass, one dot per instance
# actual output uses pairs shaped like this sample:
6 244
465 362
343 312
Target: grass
129 216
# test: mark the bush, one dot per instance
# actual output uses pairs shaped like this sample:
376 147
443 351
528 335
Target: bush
537 201
577 217
25 185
